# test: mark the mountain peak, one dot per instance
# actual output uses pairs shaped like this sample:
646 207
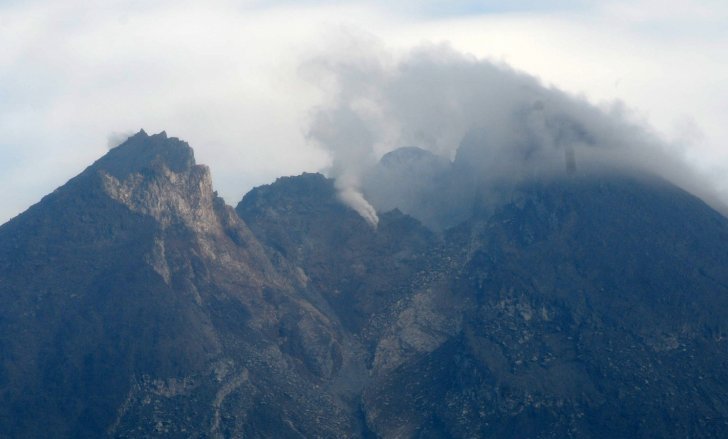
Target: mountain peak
407 178
157 175
135 303
142 151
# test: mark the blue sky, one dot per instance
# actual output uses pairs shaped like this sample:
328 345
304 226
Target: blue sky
226 75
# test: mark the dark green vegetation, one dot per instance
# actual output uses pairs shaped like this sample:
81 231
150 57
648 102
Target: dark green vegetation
135 303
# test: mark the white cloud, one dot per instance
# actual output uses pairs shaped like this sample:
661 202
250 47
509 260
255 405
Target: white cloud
224 75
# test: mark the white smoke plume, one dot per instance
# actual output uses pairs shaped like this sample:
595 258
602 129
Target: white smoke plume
488 118
349 124
343 132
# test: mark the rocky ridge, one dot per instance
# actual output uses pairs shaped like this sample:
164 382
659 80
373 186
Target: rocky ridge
135 302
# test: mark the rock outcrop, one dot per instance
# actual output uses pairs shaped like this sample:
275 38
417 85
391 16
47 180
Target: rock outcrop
135 303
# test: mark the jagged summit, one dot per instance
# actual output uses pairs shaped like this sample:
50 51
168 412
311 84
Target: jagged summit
157 175
133 286
135 303
142 151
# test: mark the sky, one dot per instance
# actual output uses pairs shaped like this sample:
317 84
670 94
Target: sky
233 79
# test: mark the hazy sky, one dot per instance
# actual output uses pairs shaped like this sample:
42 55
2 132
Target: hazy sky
227 76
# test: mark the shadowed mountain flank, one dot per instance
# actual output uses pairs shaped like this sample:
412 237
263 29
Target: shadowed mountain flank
135 303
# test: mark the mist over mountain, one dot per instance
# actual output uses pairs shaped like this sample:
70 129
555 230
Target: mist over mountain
500 127
418 219
135 303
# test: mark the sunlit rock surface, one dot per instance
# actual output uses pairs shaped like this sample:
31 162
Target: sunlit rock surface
135 303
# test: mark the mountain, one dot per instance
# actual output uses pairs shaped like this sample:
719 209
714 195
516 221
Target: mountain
597 309
417 182
135 303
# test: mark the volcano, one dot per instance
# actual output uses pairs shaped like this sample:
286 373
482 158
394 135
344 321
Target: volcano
134 302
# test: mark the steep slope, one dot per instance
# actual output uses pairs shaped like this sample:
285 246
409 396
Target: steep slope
358 269
599 311
580 306
134 302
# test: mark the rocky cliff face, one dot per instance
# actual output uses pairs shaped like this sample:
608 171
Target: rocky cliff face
135 302
579 307
590 315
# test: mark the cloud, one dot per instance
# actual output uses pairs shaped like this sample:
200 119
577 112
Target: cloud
224 75
498 124
115 139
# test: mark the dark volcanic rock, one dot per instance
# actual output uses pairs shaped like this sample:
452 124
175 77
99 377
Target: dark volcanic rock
359 270
135 303
595 316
